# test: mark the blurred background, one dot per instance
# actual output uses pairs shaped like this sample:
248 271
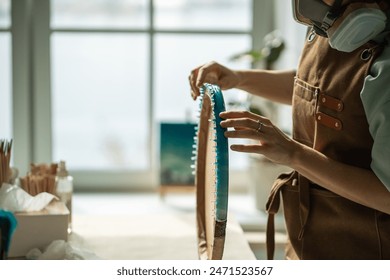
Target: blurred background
90 81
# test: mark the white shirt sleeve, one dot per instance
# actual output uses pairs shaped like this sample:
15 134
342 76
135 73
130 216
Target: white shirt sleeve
375 96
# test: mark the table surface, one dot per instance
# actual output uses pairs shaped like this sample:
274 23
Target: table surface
150 236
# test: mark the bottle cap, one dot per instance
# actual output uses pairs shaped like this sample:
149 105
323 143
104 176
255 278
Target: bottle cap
61 170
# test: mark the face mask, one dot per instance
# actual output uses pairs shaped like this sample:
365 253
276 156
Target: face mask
359 24
347 30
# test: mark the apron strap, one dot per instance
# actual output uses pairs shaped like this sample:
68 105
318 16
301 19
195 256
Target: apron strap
272 207
270 236
304 203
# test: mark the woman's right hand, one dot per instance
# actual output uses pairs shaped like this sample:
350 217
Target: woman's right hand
212 73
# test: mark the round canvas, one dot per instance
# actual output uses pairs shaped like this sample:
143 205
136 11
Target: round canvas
211 175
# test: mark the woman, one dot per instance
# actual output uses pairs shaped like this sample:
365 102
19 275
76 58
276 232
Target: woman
337 201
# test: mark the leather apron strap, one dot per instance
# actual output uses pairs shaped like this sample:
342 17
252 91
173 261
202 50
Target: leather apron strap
272 207
304 203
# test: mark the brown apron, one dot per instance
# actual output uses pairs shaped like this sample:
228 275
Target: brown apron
328 116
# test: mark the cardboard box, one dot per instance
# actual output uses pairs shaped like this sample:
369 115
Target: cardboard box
39 229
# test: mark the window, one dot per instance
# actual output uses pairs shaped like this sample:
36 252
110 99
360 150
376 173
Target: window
5 71
115 70
99 70
99 91
97 14
203 15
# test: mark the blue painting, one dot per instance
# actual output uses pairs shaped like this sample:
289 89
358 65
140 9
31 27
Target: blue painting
176 145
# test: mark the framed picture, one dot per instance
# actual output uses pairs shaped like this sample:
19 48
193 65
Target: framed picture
176 147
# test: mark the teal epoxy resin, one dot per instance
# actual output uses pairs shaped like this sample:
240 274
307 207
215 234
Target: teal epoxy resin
222 152
211 173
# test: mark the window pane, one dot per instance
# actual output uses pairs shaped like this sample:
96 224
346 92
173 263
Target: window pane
5 7
5 86
100 118
204 14
99 14
176 56
173 100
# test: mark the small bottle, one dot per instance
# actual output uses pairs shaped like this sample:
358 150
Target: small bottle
64 190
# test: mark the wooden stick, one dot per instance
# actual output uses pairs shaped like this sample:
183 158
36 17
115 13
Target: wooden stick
5 158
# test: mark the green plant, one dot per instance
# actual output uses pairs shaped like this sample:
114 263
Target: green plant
268 54
273 47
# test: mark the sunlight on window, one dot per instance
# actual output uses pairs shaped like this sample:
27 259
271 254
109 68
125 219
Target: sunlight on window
5 8
99 14
5 86
204 14
176 56
100 100
101 80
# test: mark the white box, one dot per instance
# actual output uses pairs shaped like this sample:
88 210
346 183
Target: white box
39 229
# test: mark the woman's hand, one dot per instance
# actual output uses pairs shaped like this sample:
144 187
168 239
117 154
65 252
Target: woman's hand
270 141
212 73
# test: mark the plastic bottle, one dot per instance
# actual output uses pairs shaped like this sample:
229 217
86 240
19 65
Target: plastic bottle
64 189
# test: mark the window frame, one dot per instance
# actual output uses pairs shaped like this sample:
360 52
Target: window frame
31 86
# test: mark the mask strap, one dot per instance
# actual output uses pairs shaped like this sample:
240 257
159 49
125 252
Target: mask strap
331 16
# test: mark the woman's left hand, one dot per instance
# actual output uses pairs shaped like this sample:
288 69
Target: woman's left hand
270 141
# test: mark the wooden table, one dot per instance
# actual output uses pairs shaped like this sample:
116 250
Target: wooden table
147 236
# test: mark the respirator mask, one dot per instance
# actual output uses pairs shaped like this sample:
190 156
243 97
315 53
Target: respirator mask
347 27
